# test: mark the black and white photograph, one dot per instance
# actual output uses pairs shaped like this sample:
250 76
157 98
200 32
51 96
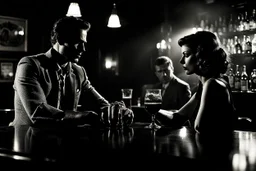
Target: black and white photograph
13 34
128 85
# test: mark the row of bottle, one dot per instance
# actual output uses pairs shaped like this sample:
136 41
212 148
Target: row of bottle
239 80
242 21
240 45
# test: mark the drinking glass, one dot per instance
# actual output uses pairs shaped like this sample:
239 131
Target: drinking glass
152 102
127 97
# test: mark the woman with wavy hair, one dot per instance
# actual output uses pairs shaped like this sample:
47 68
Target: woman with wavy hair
211 107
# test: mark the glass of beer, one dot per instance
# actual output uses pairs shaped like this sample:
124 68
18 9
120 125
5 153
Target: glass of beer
152 102
127 97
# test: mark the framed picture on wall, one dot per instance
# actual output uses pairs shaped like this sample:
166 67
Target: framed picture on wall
13 34
6 71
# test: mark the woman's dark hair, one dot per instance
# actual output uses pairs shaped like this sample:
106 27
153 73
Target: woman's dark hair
65 28
212 60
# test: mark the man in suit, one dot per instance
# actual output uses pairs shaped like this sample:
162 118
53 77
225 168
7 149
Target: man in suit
175 92
49 86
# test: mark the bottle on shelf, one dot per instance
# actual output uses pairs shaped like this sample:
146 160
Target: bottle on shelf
250 80
206 24
224 42
211 29
202 24
244 44
219 30
237 79
215 26
248 46
224 25
252 22
237 23
241 24
254 45
238 46
138 102
228 46
231 78
246 21
231 24
244 80
232 46
253 81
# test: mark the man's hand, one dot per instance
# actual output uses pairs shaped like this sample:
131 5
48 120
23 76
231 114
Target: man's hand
81 118
117 115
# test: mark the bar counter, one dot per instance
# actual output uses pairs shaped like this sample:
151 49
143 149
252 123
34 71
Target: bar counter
134 148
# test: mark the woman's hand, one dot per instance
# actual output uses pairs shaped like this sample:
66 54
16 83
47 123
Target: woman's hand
170 118
164 117
167 113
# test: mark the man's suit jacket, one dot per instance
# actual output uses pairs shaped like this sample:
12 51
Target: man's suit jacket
176 94
37 88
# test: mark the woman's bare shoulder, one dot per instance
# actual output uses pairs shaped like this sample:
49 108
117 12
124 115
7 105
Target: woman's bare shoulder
213 82
215 85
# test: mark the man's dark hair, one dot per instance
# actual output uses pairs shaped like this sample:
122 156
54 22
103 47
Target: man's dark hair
161 60
65 28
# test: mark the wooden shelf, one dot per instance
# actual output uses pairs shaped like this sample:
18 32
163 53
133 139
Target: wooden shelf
242 92
243 55
238 33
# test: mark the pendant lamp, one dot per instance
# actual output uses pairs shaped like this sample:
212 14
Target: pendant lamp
74 10
113 21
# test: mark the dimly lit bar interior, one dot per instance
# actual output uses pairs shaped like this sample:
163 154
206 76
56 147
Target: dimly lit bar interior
119 58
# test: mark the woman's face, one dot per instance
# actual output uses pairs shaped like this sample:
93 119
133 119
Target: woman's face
188 60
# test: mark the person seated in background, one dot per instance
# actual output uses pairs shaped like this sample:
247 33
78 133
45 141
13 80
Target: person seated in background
175 92
211 108
49 86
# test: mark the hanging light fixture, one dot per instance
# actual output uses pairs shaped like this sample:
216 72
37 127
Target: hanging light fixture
74 10
113 21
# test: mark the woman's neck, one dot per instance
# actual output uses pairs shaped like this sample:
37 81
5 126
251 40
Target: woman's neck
203 79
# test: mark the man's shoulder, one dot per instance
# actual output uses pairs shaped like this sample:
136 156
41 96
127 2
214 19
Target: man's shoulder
150 86
181 82
39 57
30 58
77 67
